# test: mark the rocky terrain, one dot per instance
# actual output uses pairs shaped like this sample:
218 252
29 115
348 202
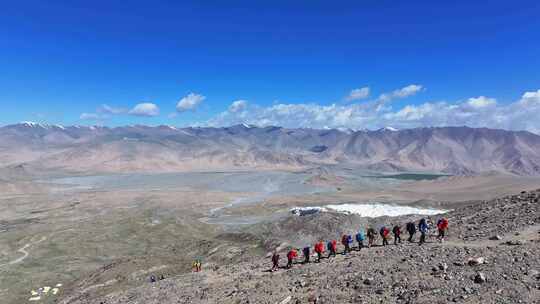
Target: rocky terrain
453 150
490 256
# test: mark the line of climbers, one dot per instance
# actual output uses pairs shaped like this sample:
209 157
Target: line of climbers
347 240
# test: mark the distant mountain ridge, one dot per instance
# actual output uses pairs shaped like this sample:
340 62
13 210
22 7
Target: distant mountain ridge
453 150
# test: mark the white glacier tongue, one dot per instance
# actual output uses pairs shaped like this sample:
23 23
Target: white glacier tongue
376 210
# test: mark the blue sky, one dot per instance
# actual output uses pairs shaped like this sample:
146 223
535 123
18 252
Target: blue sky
293 62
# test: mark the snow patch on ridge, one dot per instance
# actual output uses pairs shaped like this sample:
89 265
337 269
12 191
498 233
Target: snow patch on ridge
30 124
367 210
377 210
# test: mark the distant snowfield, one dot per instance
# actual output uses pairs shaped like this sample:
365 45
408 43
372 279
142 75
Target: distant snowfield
377 210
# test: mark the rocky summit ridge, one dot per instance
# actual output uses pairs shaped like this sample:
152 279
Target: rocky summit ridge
490 256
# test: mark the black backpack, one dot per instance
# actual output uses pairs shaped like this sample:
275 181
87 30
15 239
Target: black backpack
411 227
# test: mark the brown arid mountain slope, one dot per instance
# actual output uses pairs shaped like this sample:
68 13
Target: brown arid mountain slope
453 150
490 256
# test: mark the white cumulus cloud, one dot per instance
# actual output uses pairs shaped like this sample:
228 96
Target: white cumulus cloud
404 92
189 102
105 112
531 98
145 109
356 94
238 105
481 111
408 91
481 102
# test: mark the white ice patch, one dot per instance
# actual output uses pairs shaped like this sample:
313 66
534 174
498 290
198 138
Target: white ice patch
376 210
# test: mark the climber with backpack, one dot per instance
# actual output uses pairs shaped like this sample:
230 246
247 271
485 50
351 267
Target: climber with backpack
319 249
423 228
442 226
197 265
371 236
275 261
334 247
306 252
397 234
331 246
360 239
346 241
291 255
411 229
385 234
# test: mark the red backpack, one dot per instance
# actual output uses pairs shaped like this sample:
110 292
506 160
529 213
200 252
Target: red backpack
444 224
292 254
319 247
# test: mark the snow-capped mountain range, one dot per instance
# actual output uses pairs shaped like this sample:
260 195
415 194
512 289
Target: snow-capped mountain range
454 150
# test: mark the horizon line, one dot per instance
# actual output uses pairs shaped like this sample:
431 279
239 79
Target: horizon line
31 124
